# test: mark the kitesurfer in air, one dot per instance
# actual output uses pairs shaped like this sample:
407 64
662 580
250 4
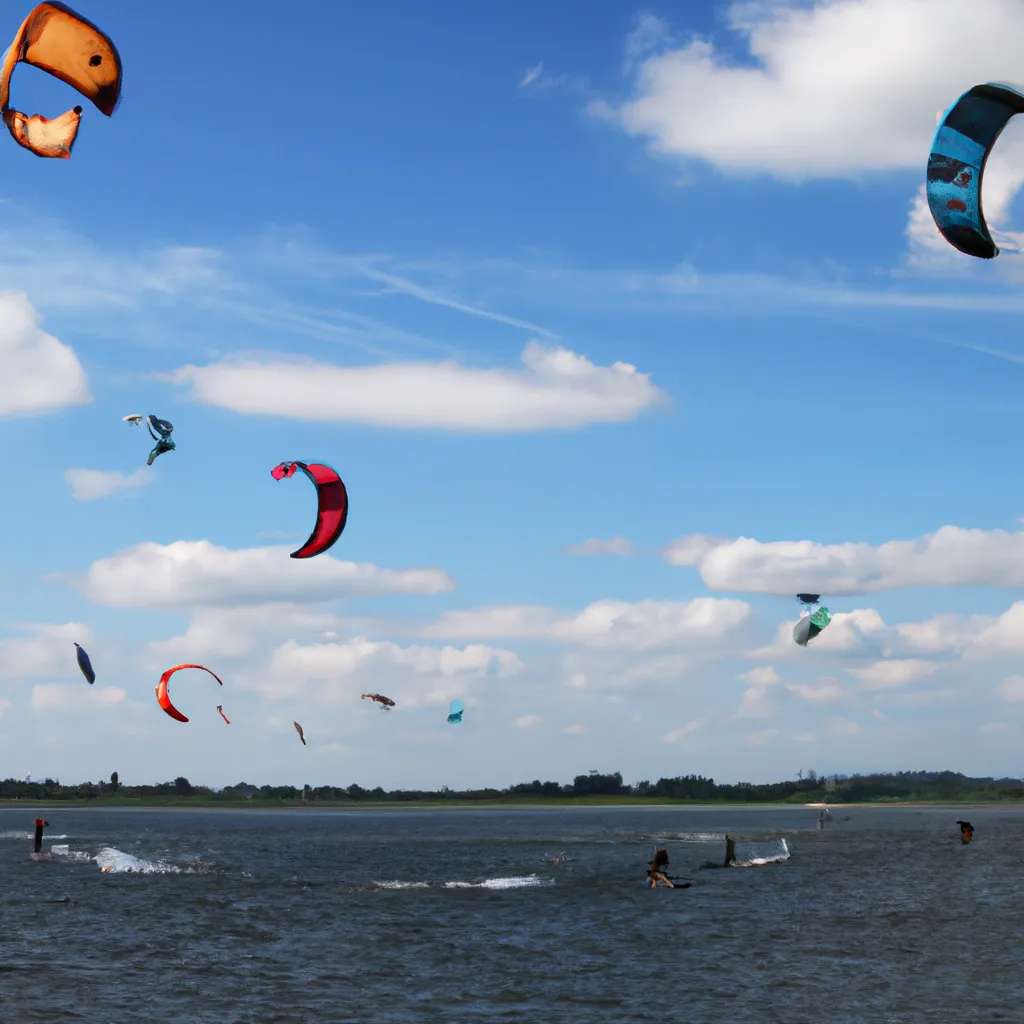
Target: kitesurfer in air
656 873
162 437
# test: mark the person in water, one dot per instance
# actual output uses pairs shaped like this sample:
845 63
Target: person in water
655 872
37 844
966 831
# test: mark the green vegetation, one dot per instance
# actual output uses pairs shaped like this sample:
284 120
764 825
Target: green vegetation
594 788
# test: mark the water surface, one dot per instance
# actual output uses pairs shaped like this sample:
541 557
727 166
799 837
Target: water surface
395 917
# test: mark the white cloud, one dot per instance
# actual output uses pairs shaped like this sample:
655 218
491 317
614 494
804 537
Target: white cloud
1013 688
755 704
93 484
4 705
688 729
526 721
610 624
236 632
996 727
878 714
596 546
59 696
759 739
37 372
557 389
849 633
763 675
47 652
890 675
826 89
576 730
950 557
189 573
827 691
414 675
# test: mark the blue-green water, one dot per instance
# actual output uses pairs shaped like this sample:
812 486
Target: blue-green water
395 917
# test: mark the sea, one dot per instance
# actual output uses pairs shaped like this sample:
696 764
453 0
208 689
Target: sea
172 916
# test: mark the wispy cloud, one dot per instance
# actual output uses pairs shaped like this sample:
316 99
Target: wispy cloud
94 484
596 546
532 74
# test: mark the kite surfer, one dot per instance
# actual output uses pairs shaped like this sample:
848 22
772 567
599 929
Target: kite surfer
37 844
164 443
655 873
966 831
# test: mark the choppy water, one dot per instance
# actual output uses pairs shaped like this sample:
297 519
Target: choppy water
400 917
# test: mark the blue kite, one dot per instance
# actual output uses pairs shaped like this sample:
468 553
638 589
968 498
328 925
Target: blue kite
956 164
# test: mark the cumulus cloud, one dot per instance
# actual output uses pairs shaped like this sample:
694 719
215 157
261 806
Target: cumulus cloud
416 675
826 89
93 484
763 675
61 696
556 389
611 624
526 721
236 632
38 373
46 651
826 691
950 557
186 573
844 727
890 675
596 546
756 704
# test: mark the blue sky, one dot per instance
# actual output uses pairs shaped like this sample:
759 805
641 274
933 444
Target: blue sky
529 277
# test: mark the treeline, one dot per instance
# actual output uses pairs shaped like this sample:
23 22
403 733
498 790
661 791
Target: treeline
807 787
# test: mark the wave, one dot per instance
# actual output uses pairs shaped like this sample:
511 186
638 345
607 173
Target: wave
515 882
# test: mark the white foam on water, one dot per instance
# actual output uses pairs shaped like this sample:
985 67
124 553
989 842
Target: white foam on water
113 861
774 858
402 885
518 882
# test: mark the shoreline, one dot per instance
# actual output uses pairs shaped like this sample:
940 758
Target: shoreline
144 804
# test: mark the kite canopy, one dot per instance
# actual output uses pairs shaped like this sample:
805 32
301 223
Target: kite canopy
455 710
135 419
811 624
302 735
164 698
332 505
956 164
57 40
85 665
384 702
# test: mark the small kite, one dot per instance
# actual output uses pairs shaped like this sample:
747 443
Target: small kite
162 437
302 735
815 619
220 710
332 505
135 419
62 43
164 698
956 165
966 831
85 665
455 710
386 703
